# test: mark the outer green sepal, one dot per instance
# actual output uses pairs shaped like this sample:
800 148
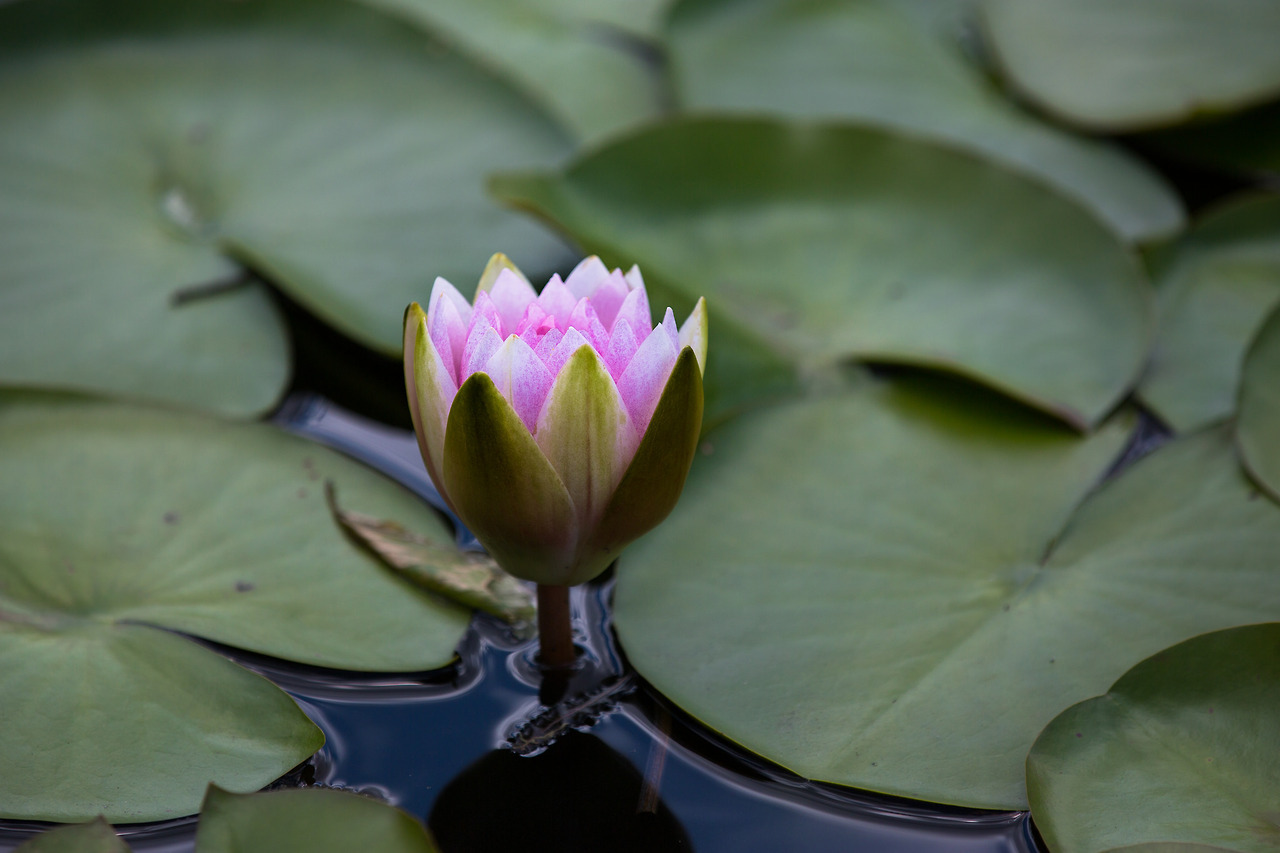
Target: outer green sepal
504 489
96 836
654 480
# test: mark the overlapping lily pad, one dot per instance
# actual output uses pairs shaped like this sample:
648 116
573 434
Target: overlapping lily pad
829 59
1216 288
825 242
894 590
1258 429
593 65
316 820
1146 64
118 523
150 149
1181 749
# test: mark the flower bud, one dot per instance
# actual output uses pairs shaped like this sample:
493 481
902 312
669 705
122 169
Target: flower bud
558 426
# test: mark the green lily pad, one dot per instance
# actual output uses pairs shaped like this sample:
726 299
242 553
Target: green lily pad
151 149
829 59
587 63
96 836
1147 64
1215 290
825 242
1181 749
893 590
1258 429
318 820
118 523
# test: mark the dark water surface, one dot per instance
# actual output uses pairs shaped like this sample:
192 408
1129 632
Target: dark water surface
611 767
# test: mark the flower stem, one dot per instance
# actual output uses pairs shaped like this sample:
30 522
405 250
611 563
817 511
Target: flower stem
555 629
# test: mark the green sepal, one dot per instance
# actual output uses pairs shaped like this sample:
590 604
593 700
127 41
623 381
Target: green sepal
504 489
654 480
580 429
423 373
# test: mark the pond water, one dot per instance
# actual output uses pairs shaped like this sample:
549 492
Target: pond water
611 767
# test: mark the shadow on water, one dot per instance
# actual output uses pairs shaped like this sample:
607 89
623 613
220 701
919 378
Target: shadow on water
612 766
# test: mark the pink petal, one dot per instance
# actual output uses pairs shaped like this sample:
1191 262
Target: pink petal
482 343
635 308
547 344
586 277
634 279
511 295
609 297
521 378
642 382
442 287
565 347
448 333
533 316
585 320
669 326
485 313
557 301
622 346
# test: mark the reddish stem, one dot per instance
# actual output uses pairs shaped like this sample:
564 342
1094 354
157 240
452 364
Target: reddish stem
555 628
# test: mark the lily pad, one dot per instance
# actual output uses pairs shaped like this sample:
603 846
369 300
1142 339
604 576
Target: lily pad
152 150
96 836
826 242
894 590
1216 287
1181 749
1258 429
829 59
592 65
119 526
317 820
1147 64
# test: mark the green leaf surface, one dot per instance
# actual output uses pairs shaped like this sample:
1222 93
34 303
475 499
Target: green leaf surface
894 590
587 63
1216 287
1181 749
116 523
1258 427
317 820
866 61
129 722
96 836
1146 64
150 149
117 514
815 244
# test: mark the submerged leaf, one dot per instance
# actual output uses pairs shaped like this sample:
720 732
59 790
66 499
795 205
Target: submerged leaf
470 578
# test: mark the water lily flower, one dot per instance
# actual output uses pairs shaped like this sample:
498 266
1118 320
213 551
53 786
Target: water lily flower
558 426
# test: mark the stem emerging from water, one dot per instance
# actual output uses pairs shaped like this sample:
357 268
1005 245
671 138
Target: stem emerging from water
555 629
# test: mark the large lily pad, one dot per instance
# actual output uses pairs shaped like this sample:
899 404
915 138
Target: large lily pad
117 523
1146 64
590 64
1258 430
150 148
876 589
830 59
829 242
316 820
1216 288
1181 749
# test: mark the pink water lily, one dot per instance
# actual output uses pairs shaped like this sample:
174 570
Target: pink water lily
558 426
